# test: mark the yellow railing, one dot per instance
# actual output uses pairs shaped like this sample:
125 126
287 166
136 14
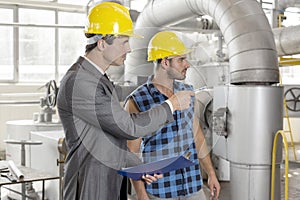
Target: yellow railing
289 124
289 128
286 189
288 61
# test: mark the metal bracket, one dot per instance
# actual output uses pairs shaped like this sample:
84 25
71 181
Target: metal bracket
219 121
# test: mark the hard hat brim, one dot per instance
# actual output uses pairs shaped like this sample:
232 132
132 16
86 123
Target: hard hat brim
134 35
169 54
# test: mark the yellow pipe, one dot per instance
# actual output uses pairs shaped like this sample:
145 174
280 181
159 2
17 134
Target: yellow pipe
286 190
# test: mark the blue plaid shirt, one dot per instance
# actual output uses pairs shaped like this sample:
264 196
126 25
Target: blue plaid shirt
174 139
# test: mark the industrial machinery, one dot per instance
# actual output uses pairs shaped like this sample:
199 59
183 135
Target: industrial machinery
292 96
247 105
24 130
47 103
42 121
245 119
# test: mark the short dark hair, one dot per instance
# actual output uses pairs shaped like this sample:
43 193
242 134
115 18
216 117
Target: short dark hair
158 61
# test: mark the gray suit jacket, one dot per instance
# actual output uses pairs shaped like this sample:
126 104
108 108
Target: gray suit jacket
97 127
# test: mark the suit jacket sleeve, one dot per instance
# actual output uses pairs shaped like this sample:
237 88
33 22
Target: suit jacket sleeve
95 101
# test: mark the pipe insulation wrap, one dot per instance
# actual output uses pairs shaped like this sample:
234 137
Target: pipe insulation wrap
287 40
283 4
243 24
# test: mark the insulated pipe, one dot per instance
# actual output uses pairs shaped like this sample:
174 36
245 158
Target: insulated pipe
195 24
287 40
283 4
246 31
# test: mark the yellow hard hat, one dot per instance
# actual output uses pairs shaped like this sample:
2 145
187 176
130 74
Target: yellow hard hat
165 44
110 18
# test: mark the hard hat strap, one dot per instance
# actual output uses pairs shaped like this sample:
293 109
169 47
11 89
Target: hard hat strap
94 39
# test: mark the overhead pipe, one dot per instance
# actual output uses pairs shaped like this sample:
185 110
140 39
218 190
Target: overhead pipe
246 31
283 4
195 24
287 40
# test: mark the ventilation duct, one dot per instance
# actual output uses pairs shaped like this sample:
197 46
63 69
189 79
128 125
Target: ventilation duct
246 31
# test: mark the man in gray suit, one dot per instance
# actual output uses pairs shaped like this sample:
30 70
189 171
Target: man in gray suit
95 125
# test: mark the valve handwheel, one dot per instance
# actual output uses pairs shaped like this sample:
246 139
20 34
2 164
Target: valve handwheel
292 98
51 94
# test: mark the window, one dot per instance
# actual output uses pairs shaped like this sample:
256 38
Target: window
40 44
6 44
75 2
36 46
71 41
292 17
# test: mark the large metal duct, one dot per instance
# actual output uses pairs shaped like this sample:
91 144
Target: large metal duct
287 40
195 24
246 31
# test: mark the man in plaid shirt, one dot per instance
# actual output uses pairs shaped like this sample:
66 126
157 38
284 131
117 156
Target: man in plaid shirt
183 135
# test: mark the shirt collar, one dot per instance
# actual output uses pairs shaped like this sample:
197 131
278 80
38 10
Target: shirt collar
153 90
96 66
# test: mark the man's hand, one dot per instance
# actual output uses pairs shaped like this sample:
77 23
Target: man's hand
214 187
150 179
181 100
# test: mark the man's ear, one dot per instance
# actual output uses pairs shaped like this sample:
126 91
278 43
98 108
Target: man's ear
164 63
101 45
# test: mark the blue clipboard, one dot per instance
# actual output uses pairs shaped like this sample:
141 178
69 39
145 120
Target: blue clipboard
157 167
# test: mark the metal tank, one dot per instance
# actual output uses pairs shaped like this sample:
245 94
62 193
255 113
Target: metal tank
21 130
245 120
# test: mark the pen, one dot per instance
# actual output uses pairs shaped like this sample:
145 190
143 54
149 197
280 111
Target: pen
187 155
